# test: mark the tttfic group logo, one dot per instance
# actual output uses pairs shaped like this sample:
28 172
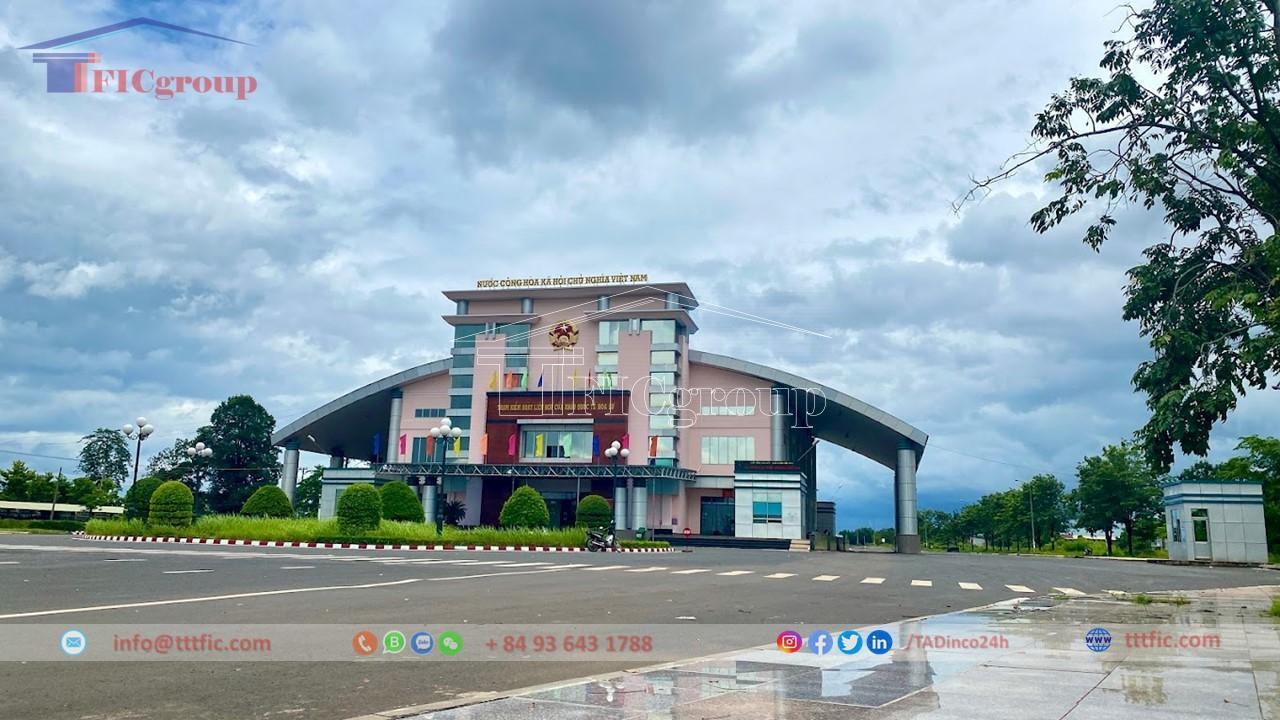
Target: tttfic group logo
69 72
1098 639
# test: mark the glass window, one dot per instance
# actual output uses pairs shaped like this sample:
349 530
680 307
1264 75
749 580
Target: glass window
428 412
660 381
725 450
607 359
419 450
666 447
661 422
607 381
459 381
766 506
464 360
610 330
462 421
1200 524
465 335
661 401
727 410
664 331
517 334
460 402
662 357
517 361
556 441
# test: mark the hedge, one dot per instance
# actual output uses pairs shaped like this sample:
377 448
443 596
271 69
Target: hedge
268 501
171 504
137 501
359 509
63 525
400 502
524 509
594 512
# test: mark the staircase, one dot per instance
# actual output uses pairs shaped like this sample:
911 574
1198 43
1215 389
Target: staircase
799 545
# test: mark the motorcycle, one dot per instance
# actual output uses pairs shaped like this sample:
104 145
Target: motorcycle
601 539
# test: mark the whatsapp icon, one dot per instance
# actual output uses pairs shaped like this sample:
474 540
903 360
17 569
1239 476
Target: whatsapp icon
393 642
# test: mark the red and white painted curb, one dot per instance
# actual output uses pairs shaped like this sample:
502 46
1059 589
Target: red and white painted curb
348 546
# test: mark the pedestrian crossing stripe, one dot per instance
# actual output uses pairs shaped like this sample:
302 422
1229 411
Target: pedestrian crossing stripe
970 586
694 571
607 567
734 573
779 576
827 578
1020 588
872 580
648 569
1071 592
922 583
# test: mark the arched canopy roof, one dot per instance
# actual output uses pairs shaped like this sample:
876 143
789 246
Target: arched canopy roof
347 424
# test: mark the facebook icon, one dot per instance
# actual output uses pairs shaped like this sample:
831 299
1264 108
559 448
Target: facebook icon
820 642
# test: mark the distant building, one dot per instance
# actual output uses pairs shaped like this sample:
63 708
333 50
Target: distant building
1215 521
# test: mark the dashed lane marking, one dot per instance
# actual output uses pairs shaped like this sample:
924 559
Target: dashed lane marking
872 580
1070 592
694 571
125 560
970 586
297 567
647 569
607 567
779 576
1020 588
8 562
735 573
827 578
921 583
185 572
531 564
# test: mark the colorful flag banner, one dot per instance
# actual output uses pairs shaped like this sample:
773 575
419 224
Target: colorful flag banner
538 445
457 444
626 440
511 445
595 445
431 448
539 379
566 442
653 446
403 439
493 381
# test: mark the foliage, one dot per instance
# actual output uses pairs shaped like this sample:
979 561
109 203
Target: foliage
92 494
1261 463
171 504
524 509
644 544
105 456
59 525
400 502
239 433
268 501
359 509
886 536
593 512
1204 145
137 500
173 463
453 512
306 497
1117 487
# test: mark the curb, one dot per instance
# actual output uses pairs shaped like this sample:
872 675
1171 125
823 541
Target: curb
349 546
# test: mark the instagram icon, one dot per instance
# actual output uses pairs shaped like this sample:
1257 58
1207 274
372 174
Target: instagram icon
789 641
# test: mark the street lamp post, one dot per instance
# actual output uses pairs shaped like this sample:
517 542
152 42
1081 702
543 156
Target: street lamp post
199 450
614 452
431 508
139 431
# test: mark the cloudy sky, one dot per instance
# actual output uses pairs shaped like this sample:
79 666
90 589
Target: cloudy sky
797 161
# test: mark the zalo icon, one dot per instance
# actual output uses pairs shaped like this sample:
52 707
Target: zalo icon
849 642
422 643
879 642
820 642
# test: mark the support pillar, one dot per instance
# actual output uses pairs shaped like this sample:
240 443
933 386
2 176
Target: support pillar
289 475
639 504
777 426
904 498
429 493
393 426
620 503
336 460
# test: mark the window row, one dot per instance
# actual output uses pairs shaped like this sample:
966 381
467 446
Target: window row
737 410
727 449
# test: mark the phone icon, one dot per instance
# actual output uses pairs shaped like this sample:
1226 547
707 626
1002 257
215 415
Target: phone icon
364 643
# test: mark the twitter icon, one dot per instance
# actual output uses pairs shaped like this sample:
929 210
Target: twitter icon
849 642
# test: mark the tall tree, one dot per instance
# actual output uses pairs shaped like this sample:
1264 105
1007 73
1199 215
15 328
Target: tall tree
1204 145
173 463
105 456
306 500
239 432
15 483
1261 462
1117 487
1046 501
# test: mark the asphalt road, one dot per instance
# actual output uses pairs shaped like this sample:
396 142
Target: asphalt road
58 580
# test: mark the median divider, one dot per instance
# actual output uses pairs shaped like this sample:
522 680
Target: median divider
352 545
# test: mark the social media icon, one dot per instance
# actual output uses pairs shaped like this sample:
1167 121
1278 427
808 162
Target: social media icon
879 642
1098 639
450 643
820 642
73 642
849 642
422 643
365 643
789 641
393 642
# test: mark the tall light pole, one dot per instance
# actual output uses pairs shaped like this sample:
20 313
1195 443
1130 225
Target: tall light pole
195 451
139 431
614 452
430 508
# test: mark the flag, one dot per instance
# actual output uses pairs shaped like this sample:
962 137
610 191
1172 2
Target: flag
377 446
538 445
539 379
591 378
484 447
457 444
403 439
574 382
431 448
509 382
595 445
653 446
566 442
493 381
606 381
524 380
626 440
511 445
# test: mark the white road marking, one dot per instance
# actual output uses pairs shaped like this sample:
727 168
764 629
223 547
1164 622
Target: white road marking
297 567
921 583
1020 588
872 580
694 571
1071 592
648 569
735 573
125 560
207 598
570 565
827 578
970 586
608 567
496 574
484 562
8 562
779 576
533 565
185 572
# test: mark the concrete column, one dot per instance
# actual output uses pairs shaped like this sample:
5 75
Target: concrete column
429 492
620 503
639 504
904 498
337 461
393 426
289 476
777 426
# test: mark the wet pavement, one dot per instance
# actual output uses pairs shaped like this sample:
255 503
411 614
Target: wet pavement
1202 654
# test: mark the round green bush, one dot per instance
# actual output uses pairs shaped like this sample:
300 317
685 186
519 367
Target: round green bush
594 512
137 501
524 509
268 501
400 502
359 509
171 504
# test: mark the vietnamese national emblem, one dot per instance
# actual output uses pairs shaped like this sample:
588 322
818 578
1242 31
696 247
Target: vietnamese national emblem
563 335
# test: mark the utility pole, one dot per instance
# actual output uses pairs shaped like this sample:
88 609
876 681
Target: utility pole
54 504
1031 496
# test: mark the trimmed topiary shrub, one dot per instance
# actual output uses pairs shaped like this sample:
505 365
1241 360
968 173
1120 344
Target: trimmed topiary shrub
268 501
525 509
594 512
359 509
400 502
137 501
171 504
